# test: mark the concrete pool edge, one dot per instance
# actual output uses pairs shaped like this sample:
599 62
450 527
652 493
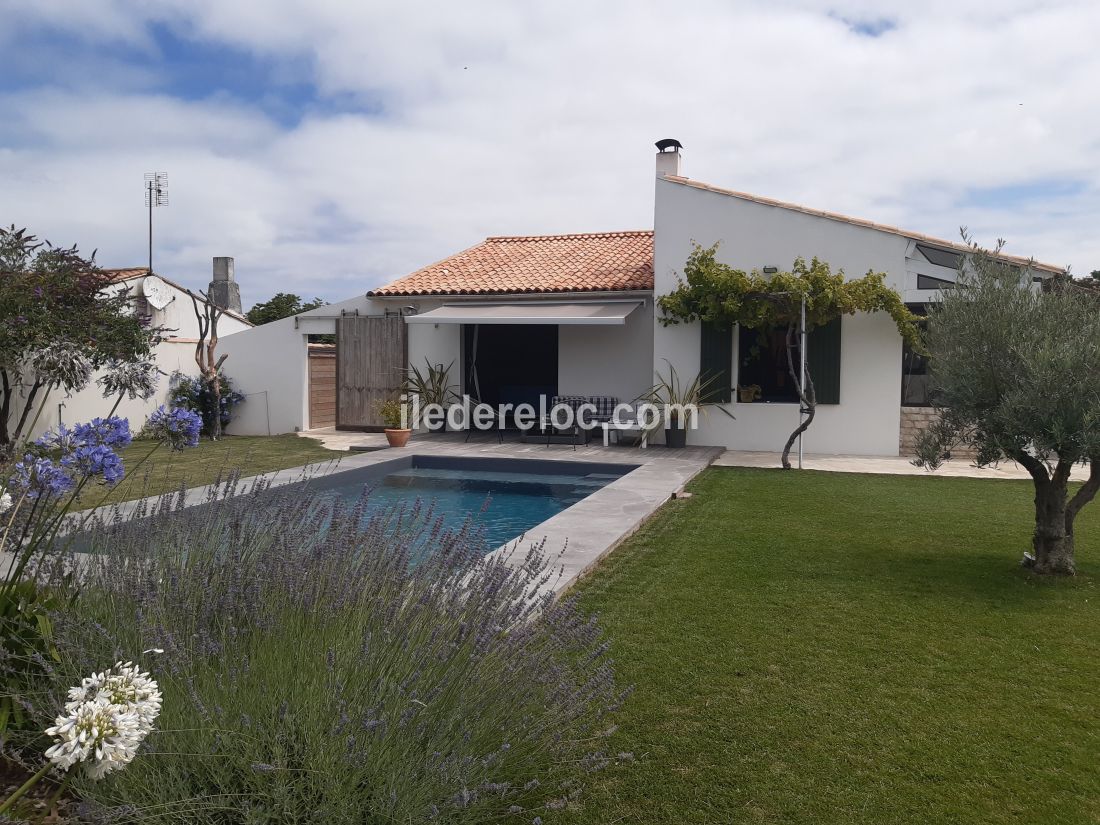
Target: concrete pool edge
587 530
592 528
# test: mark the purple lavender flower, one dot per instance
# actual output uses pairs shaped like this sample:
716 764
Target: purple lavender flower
178 429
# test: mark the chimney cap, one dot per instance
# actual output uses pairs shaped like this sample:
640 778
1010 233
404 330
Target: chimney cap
668 143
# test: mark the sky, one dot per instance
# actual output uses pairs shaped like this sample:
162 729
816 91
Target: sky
331 146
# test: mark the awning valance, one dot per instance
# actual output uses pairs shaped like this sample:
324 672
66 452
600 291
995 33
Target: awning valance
577 312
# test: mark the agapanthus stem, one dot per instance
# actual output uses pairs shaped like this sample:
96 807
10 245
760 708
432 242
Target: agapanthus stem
26 786
56 796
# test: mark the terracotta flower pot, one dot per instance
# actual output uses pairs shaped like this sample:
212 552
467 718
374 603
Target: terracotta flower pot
398 438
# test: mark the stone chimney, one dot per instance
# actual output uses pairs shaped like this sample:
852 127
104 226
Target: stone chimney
668 157
224 291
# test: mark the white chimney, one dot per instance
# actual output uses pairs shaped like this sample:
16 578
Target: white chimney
668 157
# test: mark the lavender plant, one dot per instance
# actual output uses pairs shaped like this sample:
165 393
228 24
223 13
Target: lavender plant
319 668
35 525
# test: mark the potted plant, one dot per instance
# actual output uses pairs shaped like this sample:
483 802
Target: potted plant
673 395
431 387
393 413
748 394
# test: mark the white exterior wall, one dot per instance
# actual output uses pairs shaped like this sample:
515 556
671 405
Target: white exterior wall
433 343
608 360
270 365
752 236
176 353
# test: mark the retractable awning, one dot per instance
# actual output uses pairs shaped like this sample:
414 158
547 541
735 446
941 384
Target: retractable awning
578 312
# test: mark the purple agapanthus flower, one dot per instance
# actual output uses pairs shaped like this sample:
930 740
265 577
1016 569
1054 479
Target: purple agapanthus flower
112 432
178 428
83 451
41 477
59 439
96 460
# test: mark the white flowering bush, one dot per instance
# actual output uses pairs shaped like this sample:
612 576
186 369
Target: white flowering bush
106 719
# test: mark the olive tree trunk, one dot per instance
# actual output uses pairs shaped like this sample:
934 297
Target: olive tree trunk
1055 513
1053 540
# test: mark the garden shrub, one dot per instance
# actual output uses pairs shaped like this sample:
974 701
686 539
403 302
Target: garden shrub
191 393
319 667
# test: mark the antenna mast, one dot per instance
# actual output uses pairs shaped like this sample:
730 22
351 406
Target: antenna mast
156 194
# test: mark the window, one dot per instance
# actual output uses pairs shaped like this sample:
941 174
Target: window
914 370
928 282
716 362
762 361
940 257
142 308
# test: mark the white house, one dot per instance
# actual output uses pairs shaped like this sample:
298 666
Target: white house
167 305
574 315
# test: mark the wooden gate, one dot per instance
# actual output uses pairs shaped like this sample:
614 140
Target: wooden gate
371 357
322 385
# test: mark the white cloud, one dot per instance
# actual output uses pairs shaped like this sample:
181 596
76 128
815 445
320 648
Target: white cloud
438 125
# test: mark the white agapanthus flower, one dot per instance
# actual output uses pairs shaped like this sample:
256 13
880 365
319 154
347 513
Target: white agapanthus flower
98 733
137 380
5 501
63 364
125 684
106 718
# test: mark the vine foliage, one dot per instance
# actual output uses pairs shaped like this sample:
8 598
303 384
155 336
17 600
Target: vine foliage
714 292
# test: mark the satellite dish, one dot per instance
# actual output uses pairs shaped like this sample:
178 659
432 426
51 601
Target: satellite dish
156 292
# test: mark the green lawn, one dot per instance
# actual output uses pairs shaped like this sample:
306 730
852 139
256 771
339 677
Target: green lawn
164 471
824 648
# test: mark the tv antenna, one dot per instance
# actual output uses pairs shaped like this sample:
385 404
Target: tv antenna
156 194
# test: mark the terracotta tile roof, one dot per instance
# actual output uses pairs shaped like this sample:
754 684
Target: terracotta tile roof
836 216
595 262
119 275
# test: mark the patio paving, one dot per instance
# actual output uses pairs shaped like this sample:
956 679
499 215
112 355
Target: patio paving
334 439
889 465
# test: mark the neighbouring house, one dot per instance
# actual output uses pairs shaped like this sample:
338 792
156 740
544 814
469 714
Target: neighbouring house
574 315
166 304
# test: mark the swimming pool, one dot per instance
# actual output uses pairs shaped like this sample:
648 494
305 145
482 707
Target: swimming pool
503 497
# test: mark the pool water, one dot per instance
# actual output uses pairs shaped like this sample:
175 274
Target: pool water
504 498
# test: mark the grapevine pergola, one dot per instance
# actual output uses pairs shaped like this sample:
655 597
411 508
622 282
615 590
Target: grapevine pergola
799 301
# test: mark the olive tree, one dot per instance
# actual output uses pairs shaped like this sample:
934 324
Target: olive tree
1015 374
715 292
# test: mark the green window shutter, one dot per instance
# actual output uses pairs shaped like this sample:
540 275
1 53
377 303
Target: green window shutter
716 361
823 360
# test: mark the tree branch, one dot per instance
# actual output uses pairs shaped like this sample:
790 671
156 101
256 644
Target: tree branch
27 406
1037 468
1086 493
5 407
